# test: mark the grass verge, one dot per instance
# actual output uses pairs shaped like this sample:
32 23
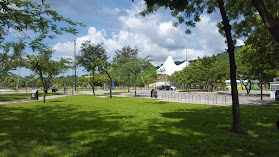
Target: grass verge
86 125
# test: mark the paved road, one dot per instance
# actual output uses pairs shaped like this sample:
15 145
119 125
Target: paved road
40 99
211 98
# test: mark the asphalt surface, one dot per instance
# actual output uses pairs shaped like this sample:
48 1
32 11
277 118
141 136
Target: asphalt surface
211 98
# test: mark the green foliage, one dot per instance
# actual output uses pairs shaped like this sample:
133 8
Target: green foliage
125 52
260 56
28 15
245 27
84 125
10 60
121 58
128 64
46 68
204 72
148 76
92 56
225 55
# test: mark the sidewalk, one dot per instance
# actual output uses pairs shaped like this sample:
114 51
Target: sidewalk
40 99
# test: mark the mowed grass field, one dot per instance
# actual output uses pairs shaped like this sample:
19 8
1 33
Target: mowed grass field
86 125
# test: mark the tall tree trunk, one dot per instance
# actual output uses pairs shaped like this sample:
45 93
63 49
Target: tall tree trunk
235 101
261 86
44 96
129 83
110 94
93 88
271 24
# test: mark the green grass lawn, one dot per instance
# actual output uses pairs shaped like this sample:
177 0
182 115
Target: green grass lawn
86 125
10 97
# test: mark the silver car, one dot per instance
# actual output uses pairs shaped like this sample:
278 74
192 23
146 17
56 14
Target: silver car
173 88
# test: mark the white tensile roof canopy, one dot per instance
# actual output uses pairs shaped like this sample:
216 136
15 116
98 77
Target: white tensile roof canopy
169 67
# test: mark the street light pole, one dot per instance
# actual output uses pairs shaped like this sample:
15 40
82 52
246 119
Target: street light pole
75 65
186 72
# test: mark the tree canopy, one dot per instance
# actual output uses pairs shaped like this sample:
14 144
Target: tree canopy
11 57
28 15
46 68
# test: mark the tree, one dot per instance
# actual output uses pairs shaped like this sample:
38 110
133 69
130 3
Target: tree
127 52
268 10
259 58
27 15
149 75
43 65
206 71
10 60
135 66
186 11
122 57
90 58
105 67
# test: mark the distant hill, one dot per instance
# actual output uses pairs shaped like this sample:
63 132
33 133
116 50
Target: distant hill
179 62
225 55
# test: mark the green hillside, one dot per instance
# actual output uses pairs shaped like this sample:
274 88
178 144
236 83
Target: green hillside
225 55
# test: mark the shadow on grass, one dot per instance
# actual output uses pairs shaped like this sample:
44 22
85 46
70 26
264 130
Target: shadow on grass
195 132
72 130
29 130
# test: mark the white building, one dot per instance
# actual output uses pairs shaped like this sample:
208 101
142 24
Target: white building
167 69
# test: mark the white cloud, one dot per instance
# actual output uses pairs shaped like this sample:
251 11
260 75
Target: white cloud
154 35
207 36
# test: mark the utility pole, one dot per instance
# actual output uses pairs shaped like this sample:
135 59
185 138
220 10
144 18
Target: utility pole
77 81
75 65
186 72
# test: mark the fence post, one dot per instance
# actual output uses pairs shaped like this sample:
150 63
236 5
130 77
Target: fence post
192 98
206 98
225 98
178 96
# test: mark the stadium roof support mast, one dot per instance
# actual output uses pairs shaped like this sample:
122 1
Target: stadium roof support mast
75 65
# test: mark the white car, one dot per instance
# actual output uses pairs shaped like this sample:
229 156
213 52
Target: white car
173 88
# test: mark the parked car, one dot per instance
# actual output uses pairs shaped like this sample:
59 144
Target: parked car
162 87
173 88
166 87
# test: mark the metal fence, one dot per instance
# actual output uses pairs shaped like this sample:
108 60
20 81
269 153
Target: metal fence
191 98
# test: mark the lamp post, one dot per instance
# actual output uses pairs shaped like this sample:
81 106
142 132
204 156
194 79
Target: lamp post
75 65
186 72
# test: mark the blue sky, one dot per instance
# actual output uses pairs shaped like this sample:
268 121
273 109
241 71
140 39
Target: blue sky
117 23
